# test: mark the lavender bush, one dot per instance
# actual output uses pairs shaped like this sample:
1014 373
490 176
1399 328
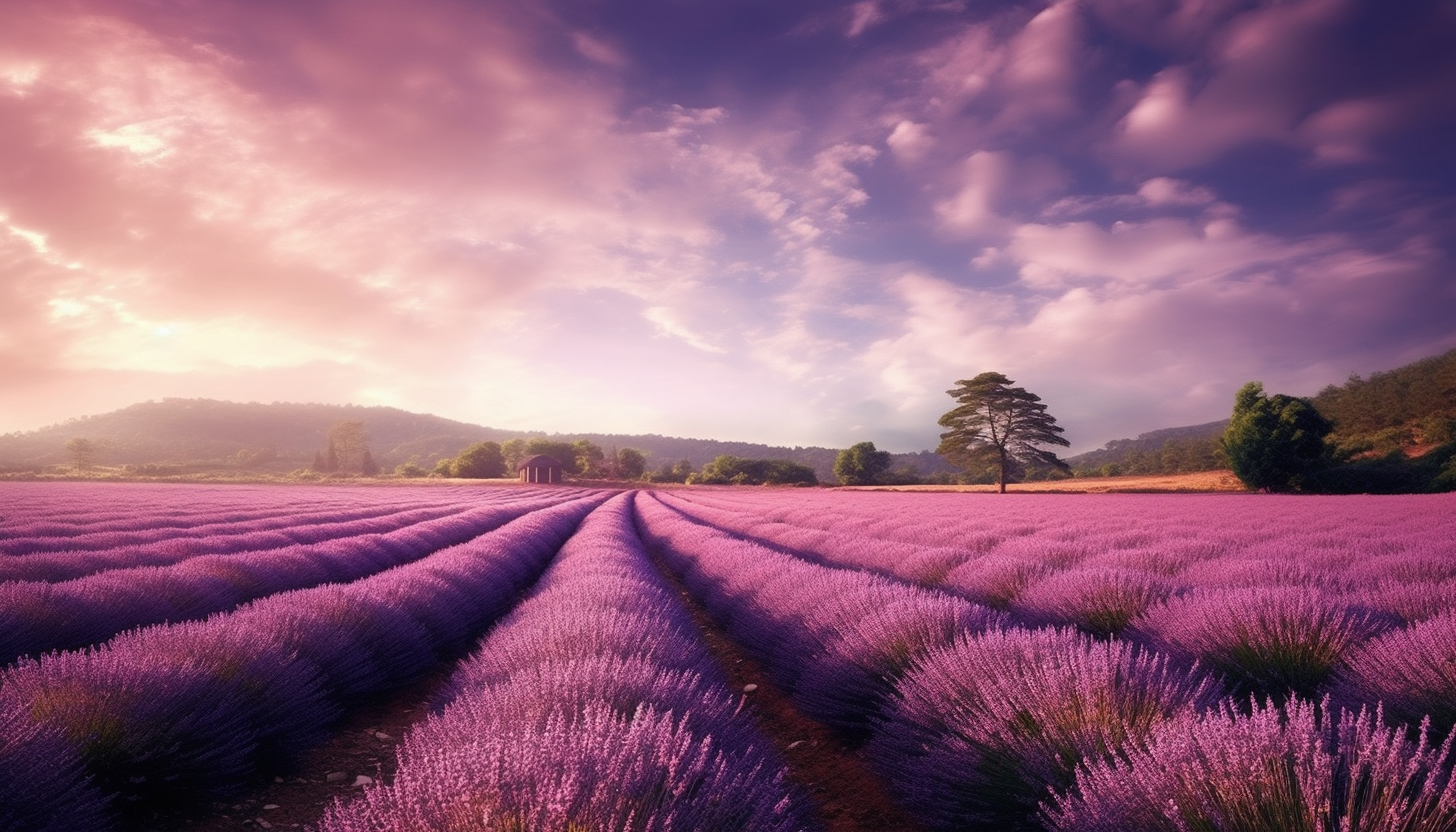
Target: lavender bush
1267 640
1098 600
979 731
1411 671
1287 770
111 551
46 789
37 616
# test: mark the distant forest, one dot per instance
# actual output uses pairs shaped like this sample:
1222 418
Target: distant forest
180 436
1406 411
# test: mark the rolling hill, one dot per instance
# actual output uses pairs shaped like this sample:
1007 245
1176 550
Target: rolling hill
206 433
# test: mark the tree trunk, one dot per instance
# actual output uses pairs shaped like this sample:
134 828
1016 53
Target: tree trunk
1001 476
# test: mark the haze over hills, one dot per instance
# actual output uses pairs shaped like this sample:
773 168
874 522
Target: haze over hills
1403 410
285 436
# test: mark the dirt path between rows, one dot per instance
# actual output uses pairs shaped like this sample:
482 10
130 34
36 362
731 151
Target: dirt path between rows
363 743
848 796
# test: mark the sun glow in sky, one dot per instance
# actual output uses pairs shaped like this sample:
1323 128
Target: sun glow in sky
787 222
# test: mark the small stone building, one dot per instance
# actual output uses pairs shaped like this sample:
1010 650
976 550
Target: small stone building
541 468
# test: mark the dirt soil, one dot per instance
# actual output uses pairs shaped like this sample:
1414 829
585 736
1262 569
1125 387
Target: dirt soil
847 794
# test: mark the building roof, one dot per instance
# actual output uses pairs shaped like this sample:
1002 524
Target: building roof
540 461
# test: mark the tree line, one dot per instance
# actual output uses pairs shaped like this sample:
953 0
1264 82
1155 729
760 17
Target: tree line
1272 442
1285 443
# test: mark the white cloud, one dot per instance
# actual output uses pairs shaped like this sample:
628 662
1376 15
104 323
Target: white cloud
909 141
669 325
972 210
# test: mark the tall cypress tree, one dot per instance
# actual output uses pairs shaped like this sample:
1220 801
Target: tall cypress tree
995 420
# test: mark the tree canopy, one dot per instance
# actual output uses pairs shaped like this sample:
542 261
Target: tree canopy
1275 443
862 464
1001 425
631 464
734 470
480 461
347 451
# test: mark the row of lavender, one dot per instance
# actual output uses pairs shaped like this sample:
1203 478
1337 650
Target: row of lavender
193 710
979 723
594 705
1355 598
1375 551
58 516
38 616
88 529
973 717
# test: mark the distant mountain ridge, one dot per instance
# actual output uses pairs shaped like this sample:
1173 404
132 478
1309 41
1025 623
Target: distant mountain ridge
285 436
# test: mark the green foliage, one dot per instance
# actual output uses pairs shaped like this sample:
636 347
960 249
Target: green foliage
410 469
995 425
1391 473
1275 443
734 470
590 460
862 464
1437 429
1135 457
631 464
481 461
513 450
678 471
559 450
1396 398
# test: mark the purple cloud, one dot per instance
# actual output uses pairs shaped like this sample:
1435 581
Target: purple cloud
788 224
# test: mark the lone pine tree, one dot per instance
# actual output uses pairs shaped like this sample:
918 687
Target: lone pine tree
996 422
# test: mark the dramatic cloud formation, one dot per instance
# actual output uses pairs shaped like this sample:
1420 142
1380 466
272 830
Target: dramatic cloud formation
787 222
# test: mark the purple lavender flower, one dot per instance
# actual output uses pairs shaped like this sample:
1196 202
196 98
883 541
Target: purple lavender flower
1271 769
43 787
1268 640
979 731
1098 600
1411 671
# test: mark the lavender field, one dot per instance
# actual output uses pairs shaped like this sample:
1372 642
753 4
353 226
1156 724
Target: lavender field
1039 662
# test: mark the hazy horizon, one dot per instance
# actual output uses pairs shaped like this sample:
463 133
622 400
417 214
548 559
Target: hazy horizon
794 224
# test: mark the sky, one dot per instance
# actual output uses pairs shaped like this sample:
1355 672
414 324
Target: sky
797 223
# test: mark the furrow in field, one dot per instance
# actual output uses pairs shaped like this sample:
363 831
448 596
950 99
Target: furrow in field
88 533
189 712
36 617
593 705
